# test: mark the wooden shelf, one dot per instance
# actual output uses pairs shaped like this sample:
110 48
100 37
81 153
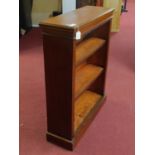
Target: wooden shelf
83 106
88 48
85 76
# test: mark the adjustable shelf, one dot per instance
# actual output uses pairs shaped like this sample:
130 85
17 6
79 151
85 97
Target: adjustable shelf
75 71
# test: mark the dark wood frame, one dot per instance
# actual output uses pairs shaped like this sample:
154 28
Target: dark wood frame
59 45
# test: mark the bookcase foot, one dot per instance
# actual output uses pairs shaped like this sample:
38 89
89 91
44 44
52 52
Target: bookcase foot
61 141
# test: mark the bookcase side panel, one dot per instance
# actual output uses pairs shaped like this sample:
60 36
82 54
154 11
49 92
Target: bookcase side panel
58 60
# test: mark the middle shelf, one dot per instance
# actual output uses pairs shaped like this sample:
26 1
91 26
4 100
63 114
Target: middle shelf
85 76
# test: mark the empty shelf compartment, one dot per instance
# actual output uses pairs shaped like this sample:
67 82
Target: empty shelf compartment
87 48
85 76
83 106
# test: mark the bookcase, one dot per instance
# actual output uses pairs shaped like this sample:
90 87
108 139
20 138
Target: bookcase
75 47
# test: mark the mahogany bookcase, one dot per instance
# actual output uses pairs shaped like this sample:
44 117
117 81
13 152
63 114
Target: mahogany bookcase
75 71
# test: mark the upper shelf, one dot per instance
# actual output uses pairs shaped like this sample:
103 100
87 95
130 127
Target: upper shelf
87 48
79 18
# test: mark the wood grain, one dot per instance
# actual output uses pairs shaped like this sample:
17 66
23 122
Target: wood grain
58 79
84 19
83 105
77 18
85 76
87 48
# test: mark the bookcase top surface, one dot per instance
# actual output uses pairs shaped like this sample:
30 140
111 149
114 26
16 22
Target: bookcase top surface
77 18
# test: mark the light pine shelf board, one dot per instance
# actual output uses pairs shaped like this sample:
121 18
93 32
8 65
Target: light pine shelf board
88 48
83 106
85 76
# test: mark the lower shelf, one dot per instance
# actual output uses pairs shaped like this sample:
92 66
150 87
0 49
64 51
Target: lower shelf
83 106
